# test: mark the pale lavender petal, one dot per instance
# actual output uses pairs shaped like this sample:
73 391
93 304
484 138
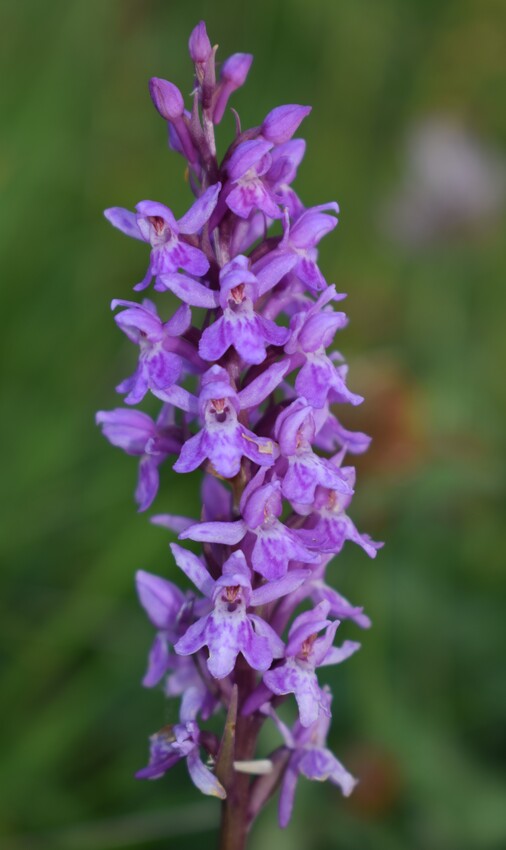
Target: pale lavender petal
179 397
128 429
321 764
193 639
193 260
337 654
214 341
255 648
262 386
272 333
192 454
161 599
157 662
189 290
280 587
287 796
147 482
260 450
203 778
200 211
227 533
193 568
125 221
271 268
172 522
274 642
249 196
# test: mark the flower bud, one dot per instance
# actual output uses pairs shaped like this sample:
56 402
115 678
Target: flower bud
167 98
233 75
280 124
235 69
199 44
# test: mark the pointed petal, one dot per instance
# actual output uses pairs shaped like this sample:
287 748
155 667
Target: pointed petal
337 654
262 386
280 587
147 482
200 211
193 639
193 568
203 778
188 290
227 533
161 599
125 221
287 796
271 268
214 341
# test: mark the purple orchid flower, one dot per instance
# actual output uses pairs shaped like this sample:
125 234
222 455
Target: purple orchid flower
240 326
137 434
229 630
156 224
304 470
310 757
305 652
285 160
311 333
249 191
224 440
173 743
329 526
301 238
271 544
161 349
171 612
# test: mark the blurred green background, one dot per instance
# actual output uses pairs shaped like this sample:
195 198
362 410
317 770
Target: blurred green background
408 132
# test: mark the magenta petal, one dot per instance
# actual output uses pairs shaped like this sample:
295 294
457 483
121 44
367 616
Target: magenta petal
271 268
282 122
245 156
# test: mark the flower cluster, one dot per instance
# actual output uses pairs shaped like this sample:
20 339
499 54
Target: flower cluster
248 394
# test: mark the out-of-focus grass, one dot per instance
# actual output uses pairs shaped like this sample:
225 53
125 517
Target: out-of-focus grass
419 712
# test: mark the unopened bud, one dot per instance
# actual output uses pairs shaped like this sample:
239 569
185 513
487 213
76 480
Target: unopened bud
233 75
199 44
167 98
280 124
